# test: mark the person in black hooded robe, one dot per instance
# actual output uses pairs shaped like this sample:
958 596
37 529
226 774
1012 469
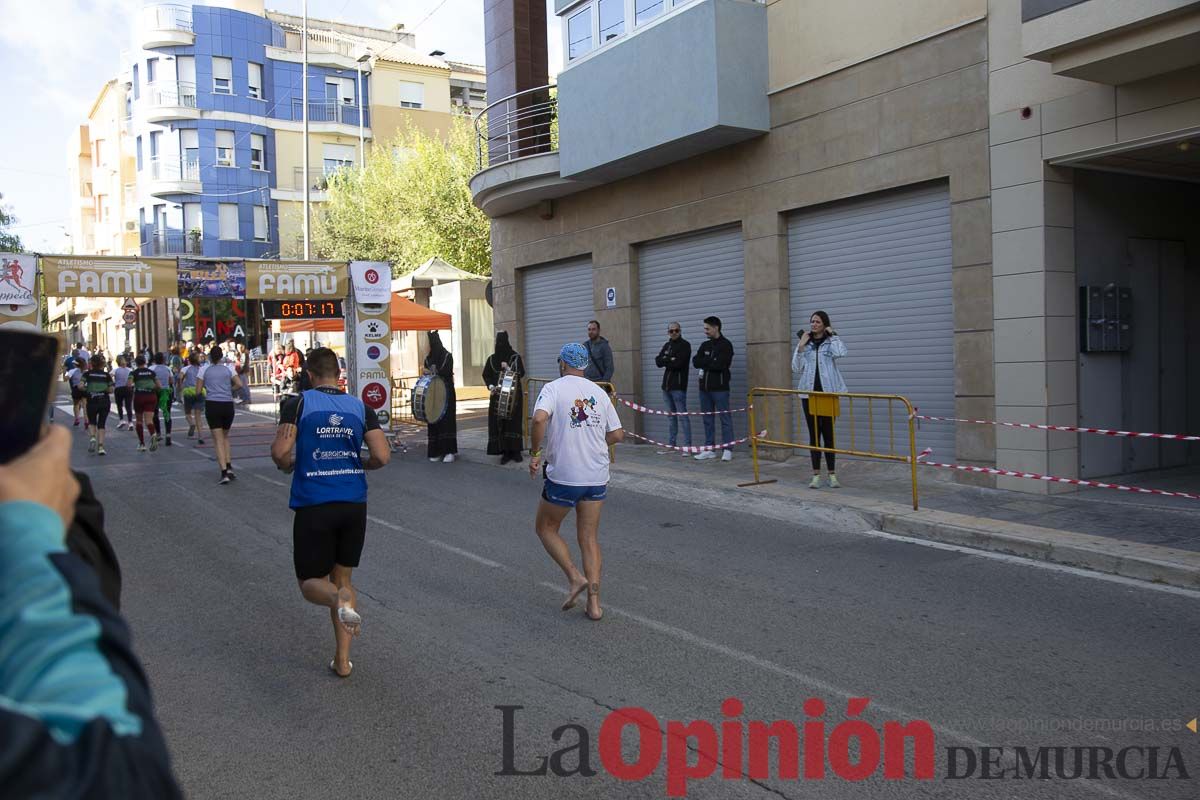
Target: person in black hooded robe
505 436
443 434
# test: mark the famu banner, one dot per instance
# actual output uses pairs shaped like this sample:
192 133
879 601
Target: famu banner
295 280
109 276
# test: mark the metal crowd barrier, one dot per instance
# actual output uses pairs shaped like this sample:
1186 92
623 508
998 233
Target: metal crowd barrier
763 417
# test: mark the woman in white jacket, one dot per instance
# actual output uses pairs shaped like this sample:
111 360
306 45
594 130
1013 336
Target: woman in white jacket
815 358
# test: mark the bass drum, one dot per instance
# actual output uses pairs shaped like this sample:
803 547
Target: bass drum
429 399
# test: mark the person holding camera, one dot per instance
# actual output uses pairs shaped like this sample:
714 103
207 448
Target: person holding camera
815 358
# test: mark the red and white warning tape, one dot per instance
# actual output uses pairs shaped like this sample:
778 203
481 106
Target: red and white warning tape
1051 479
1179 437
647 410
698 448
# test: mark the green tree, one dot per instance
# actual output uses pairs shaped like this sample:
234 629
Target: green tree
411 202
9 242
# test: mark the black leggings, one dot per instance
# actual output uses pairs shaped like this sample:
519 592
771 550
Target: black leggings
125 403
826 426
97 411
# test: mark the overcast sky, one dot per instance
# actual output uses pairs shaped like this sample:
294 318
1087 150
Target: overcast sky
56 54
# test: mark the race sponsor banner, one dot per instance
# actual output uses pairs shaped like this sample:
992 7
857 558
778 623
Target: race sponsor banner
21 317
295 280
372 281
109 276
368 360
212 277
17 274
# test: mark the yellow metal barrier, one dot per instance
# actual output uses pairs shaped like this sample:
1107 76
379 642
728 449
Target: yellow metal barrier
540 382
760 411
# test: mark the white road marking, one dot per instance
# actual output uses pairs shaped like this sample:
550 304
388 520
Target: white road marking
487 562
1033 562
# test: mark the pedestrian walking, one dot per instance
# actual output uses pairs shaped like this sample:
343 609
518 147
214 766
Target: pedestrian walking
319 440
218 383
714 359
193 400
145 387
674 358
600 357
505 436
443 434
815 358
574 423
98 384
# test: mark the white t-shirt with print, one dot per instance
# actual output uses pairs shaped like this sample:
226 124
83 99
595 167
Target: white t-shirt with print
580 415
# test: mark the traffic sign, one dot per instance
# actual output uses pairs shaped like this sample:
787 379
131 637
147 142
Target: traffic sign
129 305
130 317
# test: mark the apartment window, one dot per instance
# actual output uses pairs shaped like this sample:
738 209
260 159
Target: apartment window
101 208
185 71
261 232
137 90
225 149
412 94
254 80
222 75
579 33
338 156
339 90
101 154
257 151
227 216
155 144
189 146
138 151
612 19
646 10
151 70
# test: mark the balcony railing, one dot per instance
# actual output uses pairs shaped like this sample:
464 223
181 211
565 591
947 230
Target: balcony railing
318 177
330 111
522 124
167 17
171 93
174 169
172 243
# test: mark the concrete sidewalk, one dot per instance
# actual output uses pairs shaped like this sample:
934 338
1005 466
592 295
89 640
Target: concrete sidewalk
1136 536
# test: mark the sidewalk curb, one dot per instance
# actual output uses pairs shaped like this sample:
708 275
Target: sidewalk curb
1144 562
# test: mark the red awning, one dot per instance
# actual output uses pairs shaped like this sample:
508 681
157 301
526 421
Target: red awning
406 316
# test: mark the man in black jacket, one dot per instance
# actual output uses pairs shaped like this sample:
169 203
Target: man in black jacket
674 358
713 359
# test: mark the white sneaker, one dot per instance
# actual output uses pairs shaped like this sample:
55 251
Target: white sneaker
706 455
435 459
92 444
449 459
727 455
686 454
815 483
663 452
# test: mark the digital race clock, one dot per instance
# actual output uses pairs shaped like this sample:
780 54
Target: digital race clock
302 309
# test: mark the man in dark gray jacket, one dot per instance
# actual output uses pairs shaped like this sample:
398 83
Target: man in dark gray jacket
600 357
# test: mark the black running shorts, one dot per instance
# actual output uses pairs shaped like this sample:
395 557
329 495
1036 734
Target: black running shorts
97 411
219 414
325 535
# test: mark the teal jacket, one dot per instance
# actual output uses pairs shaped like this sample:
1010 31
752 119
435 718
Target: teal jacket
76 717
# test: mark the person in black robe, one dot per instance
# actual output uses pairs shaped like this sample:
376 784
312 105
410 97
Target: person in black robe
443 434
505 436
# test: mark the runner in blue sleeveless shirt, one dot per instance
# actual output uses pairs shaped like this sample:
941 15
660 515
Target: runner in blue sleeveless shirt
320 438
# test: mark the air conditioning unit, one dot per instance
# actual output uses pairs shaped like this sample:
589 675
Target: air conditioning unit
130 226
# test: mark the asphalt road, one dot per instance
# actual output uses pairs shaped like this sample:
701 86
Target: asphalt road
704 602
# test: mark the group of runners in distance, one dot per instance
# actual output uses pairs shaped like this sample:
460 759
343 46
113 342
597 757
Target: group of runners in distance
145 392
320 439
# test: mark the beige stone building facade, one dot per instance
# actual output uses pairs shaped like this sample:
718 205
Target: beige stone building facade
924 172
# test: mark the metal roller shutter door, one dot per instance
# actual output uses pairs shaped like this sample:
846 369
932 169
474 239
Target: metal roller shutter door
686 279
880 266
558 305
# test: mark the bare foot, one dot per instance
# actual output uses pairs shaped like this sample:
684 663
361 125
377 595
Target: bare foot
593 610
347 616
577 585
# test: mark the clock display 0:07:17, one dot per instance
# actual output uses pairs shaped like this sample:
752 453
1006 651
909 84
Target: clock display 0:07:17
302 309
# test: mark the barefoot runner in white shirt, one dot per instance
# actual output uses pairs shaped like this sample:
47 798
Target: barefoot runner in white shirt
574 423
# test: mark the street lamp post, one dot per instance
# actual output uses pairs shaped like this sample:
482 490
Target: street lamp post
304 103
362 153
